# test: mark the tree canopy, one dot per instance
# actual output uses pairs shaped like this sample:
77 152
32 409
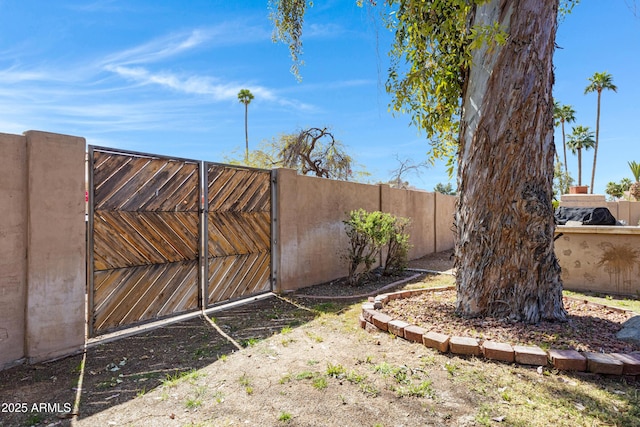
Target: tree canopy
430 58
312 151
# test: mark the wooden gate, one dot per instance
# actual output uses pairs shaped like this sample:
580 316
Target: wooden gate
156 249
238 223
143 238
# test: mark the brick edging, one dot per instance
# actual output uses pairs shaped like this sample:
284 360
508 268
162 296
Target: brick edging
373 320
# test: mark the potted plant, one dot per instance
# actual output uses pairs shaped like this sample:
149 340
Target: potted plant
579 189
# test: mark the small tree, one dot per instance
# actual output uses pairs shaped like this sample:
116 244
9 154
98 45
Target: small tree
366 237
444 189
562 180
368 233
616 189
397 247
316 151
581 138
312 151
405 167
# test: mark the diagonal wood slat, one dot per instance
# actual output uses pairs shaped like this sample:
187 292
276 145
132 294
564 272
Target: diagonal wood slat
146 226
145 234
237 276
144 293
238 189
144 183
238 233
128 239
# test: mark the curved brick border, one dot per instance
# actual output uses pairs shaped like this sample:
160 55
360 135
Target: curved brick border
373 320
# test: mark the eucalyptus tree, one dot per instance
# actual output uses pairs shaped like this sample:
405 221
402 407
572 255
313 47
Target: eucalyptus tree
563 114
597 83
581 138
477 77
245 97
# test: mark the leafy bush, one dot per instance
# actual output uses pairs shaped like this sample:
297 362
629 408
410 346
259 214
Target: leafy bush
397 246
369 233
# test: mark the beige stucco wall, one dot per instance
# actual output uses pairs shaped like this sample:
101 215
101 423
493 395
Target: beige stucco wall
445 207
13 256
42 246
310 232
600 258
56 251
626 211
309 226
419 207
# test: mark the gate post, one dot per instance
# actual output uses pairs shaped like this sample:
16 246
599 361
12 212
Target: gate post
275 243
203 266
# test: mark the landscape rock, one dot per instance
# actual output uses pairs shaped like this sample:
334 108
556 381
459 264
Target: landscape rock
630 331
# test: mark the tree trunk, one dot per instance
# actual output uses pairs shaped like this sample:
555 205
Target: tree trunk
595 147
566 166
506 266
579 166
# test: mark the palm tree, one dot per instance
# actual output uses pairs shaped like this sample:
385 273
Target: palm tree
245 96
634 189
581 138
598 82
562 114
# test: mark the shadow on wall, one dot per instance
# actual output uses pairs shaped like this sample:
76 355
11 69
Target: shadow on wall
619 262
600 259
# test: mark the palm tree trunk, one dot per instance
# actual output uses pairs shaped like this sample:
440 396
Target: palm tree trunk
595 148
506 266
579 166
246 134
566 166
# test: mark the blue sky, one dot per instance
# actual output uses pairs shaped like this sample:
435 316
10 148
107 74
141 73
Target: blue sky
163 76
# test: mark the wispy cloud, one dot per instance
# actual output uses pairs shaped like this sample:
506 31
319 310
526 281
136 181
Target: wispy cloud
14 75
324 30
158 49
207 86
172 45
194 84
145 86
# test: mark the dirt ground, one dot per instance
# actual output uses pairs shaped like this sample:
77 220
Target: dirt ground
303 362
189 374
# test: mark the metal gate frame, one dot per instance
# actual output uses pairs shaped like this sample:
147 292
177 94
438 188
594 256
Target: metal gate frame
203 238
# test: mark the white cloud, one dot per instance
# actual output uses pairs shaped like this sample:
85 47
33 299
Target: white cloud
142 87
13 75
158 49
198 85
323 30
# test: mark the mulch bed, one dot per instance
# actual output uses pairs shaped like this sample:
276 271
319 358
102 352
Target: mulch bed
373 283
590 327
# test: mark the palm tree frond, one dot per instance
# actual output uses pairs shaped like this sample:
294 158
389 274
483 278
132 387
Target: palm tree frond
635 170
600 81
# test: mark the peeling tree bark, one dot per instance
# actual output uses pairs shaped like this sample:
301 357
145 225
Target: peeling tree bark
504 219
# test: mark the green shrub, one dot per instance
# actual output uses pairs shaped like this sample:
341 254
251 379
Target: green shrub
397 246
368 233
